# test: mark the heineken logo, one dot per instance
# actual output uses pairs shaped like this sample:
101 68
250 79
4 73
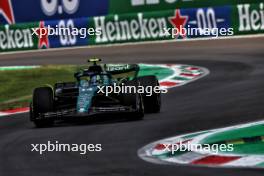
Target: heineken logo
15 38
177 24
249 18
139 28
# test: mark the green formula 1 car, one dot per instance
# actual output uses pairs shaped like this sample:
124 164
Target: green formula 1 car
86 97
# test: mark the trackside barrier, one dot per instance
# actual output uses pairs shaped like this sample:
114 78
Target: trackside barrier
24 11
135 6
136 27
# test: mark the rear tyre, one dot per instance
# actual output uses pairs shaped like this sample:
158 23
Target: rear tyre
43 102
152 103
134 99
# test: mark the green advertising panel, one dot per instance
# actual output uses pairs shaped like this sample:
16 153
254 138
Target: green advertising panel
236 19
132 6
18 37
131 27
248 18
161 25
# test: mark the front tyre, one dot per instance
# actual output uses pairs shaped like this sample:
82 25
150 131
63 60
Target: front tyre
43 102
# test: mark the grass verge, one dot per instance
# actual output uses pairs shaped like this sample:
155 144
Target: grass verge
17 85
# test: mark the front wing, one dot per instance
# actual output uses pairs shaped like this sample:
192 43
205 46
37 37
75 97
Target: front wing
67 113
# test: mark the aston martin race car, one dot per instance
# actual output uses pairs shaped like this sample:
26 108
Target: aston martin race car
86 97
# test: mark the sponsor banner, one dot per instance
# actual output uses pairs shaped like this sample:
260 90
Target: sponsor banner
248 18
18 37
21 37
136 27
65 40
133 6
18 11
151 25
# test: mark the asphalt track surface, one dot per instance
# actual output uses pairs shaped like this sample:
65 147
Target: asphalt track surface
233 93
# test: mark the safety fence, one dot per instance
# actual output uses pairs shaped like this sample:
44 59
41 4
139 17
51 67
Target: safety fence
126 21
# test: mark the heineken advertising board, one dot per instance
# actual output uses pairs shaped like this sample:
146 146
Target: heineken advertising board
150 25
16 11
136 27
17 37
248 18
